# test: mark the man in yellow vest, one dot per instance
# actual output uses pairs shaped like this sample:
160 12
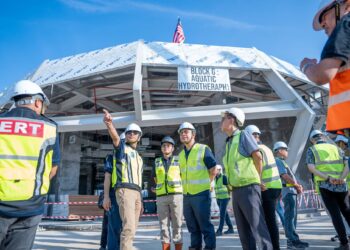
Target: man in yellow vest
330 169
333 17
243 165
198 170
222 196
29 157
289 196
272 181
169 194
127 180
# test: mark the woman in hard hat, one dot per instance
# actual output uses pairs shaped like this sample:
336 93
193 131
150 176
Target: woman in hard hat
334 67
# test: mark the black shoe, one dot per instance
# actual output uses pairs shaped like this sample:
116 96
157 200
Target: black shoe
295 245
218 233
303 243
229 231
343 247
335 238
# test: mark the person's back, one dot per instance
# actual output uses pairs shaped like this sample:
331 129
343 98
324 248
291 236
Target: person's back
29 156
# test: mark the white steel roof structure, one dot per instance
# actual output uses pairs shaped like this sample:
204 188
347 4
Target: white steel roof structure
138 82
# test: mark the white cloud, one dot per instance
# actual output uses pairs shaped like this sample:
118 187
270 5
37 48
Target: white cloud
105 6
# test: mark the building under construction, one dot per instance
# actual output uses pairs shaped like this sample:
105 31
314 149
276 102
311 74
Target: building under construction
160 85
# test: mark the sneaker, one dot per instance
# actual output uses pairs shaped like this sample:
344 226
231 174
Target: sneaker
229 231
218 233
335 238
343 247
295 245
303 243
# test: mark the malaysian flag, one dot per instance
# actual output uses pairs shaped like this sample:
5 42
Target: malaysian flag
179 36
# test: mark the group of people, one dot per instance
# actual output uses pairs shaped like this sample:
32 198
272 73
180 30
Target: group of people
183 185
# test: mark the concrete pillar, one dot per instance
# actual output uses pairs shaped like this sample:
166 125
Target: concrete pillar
70 164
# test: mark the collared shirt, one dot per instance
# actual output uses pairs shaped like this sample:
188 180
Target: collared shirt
108 164
283 170
337 45
209 159
247 144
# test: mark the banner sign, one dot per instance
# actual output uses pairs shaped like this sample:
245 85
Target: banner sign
203 79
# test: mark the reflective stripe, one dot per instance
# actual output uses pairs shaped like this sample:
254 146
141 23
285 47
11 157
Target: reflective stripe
329 162
275 178
40 168
266 167
173 183
339 98
332 172
19 157
198 181
199 157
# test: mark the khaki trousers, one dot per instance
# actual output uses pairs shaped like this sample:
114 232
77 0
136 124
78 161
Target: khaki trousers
129 202
170 210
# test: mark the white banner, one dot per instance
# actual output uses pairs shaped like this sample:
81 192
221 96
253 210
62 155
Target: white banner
203 79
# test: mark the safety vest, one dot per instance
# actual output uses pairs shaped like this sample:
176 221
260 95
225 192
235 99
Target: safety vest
26 147
339 102
221 191
327 160
270 174
240 170
194 173
128 172
168 182
348 181
289 172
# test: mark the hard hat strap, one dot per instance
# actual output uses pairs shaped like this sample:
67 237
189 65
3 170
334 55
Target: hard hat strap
337 12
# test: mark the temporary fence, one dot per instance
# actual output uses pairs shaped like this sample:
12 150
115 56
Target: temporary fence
308 200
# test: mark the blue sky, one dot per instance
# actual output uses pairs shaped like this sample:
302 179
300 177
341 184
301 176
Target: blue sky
32 31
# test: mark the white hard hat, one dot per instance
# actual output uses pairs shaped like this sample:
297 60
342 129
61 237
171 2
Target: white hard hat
218 167
279 144
122 136
325 5
133 127
341 138
28 88
185 125
314 133
238 113
251 129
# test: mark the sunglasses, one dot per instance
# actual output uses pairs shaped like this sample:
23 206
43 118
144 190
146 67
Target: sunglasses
132 132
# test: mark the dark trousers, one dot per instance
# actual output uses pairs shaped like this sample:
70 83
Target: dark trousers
18 233
224 217
290 216
269 202
104 233
250 219
197 215
114 225
337 203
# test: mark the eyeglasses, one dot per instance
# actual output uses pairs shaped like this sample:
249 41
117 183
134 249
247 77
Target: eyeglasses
132 132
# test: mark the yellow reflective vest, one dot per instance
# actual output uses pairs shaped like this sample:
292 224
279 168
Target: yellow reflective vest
270 174
221 191
328 160
168 182
240 170
128 170
194 173
26 147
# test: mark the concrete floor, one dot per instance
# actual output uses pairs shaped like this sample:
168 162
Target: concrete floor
315 230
